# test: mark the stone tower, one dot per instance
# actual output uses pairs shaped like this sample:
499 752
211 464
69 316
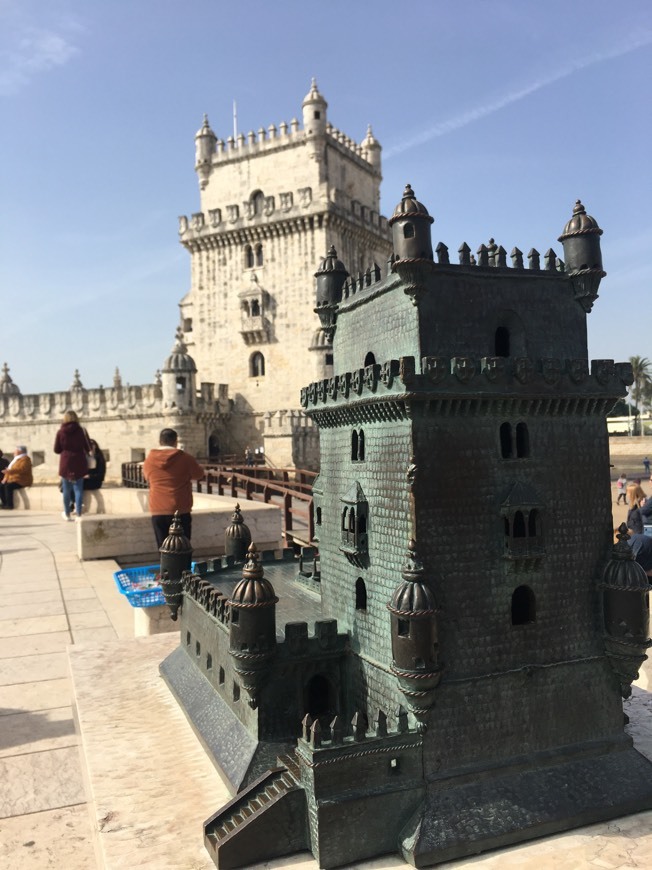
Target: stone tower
271 202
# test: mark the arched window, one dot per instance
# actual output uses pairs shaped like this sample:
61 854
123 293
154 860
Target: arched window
257 365
318 516
257 202
360 594
518 529
370 359
361 445
523 606
345 522
255 308
506 440
354 445
533 524
408 231
501 343
259 255
248 257
522 441
352 521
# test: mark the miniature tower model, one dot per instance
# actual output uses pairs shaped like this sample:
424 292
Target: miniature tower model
271 202
469 695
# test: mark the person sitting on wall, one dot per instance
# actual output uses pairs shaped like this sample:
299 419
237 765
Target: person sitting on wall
95 477
170 473
642 548
17 475
4 462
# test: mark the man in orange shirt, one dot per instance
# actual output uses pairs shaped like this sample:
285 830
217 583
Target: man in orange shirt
170 473
16 475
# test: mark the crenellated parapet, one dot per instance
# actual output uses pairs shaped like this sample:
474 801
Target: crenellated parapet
342 740
543 383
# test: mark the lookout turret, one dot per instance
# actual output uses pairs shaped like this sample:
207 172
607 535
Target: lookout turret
205 141
314 111
410 225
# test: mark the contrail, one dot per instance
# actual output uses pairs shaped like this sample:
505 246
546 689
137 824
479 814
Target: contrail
471 115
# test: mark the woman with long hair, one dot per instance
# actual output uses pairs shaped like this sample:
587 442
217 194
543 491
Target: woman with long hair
73 446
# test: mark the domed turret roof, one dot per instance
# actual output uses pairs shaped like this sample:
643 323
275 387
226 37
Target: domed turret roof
622 571
330 263
413 596
7 386
581 223
238 528
370 140
409 206
176 541
313 95
179 360
205 130
254 590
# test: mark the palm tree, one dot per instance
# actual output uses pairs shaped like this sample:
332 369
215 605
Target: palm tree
642 371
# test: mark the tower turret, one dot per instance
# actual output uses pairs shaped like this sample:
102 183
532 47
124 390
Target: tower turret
371 149
7 386
237 537
330 276
178 377
314 111
410 225
626 610
176 557
252 633
205 141
581 241
414 636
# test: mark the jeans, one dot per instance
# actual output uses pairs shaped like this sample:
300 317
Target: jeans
68 487
7 494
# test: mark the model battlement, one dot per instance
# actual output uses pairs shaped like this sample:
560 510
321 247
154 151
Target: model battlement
318 740
488 374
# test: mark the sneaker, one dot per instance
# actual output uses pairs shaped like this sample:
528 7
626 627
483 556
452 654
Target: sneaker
66 517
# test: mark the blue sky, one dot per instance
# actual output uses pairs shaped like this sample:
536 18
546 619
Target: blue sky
500 114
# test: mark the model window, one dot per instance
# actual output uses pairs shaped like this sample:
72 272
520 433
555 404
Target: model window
408 231
522 441
257 365
506 440
360 594
370 359
255 308
523 606
354 445
501 343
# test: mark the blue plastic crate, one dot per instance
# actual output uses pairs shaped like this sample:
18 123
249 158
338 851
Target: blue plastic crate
140 585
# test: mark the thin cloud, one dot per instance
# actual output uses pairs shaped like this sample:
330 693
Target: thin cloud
35 51
478 112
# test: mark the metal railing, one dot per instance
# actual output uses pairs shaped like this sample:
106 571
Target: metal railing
289 488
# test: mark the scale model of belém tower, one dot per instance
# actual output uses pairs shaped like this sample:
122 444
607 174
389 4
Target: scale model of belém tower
477 628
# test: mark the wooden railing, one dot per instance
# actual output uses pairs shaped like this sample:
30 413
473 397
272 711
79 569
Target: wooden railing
289 488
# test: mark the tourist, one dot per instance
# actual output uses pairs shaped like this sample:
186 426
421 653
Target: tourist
642 548
170 473
95 477
4 462
73 446
621 486
634 518
16 475
635 492
646 465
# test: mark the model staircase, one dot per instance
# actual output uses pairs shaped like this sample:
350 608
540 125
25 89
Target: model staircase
240 834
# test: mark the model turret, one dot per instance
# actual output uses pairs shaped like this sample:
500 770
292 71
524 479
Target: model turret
626 612
414 637
410 225
176 557
314 111
330 276
205 141
581 241
237 537
252 634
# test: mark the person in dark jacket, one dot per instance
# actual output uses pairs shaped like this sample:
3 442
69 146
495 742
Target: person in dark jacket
634 518
73 445
95 477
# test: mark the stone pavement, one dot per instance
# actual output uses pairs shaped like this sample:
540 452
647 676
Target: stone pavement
50 600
